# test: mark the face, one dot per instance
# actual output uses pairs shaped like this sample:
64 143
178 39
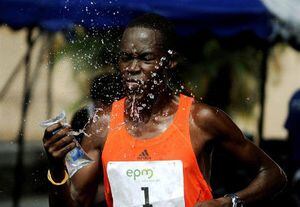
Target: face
142 60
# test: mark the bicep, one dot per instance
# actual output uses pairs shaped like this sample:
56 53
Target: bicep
224 133
246 152
231 139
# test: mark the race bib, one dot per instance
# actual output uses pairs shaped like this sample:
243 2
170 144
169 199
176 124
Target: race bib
146 183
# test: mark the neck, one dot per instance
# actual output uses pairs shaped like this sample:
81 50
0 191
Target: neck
139 109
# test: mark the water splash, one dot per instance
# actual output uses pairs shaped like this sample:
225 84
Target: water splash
132 112
79 132
151 96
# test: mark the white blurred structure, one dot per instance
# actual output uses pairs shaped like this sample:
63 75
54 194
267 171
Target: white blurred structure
287 11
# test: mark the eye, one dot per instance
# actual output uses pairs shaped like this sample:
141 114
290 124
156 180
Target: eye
125 57
147 58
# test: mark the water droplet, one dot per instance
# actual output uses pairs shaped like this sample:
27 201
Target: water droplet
151 95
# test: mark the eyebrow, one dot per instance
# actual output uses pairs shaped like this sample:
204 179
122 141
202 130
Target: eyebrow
139 54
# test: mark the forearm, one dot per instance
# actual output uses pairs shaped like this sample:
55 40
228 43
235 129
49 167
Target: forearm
78 191
268 182
60 195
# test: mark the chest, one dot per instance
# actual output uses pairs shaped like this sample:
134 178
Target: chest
154 127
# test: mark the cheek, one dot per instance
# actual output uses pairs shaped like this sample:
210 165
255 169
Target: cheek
155 76
120 66
150 71
124 68
150 68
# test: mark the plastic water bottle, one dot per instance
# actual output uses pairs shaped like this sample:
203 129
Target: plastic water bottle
76 158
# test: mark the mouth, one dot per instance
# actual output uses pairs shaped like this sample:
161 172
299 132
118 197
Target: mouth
132 83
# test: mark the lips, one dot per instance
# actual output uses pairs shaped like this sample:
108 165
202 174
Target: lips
132 83
133 80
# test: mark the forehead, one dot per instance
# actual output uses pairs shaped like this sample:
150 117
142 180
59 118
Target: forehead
139 38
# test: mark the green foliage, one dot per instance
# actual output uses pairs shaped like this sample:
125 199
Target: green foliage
239 66
90 52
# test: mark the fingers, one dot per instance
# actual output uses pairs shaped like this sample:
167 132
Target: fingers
61 153
211 203
52 130
54 134
57 143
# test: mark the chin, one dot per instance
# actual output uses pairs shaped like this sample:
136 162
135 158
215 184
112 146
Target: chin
137 93
133 91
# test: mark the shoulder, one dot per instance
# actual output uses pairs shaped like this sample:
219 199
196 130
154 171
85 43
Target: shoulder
96 129
205 117
213 121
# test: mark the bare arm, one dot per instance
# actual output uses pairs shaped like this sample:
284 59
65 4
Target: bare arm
56 147
81 188
269 178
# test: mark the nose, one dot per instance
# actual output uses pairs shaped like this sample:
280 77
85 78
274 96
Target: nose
133 66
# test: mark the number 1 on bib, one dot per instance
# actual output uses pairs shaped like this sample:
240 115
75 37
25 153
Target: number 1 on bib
146 194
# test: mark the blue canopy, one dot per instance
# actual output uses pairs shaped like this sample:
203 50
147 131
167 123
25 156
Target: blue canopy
222 17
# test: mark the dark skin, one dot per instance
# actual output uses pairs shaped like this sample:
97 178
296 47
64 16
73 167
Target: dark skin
150 108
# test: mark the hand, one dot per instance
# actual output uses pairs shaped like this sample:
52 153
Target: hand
57 144
220 202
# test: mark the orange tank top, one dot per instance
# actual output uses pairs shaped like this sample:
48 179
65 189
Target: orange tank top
172 144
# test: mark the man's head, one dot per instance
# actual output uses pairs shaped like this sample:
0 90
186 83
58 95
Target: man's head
160 24
147 53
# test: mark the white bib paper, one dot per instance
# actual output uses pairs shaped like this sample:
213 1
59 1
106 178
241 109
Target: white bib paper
146 183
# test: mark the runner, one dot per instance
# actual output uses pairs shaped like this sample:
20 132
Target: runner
155 149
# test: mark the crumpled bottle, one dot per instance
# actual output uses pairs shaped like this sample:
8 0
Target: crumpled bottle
76 158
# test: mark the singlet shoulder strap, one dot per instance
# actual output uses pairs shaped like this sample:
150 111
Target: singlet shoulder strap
183 113
117 113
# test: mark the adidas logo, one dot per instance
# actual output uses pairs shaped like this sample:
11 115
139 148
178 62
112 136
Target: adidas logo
144 155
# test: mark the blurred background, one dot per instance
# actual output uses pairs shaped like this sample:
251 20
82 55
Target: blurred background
241 56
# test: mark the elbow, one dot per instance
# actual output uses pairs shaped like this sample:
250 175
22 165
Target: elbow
282 180
83 198
277 180
78 197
